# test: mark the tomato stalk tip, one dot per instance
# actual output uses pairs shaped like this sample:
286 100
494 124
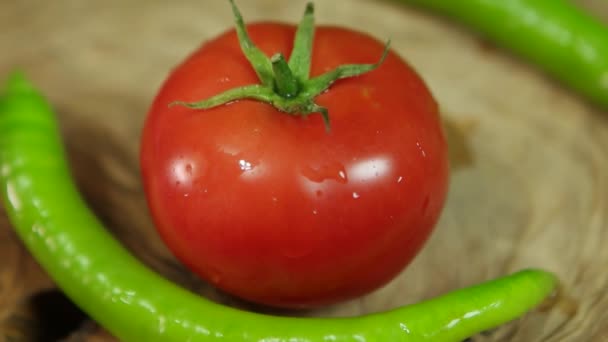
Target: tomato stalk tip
299 62
285 85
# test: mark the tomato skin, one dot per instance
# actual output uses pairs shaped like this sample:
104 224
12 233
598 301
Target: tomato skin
273 209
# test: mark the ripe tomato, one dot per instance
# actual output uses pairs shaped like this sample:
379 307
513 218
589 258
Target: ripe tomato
273 208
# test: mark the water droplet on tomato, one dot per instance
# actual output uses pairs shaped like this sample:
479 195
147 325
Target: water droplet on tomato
422 151
400 179
330 171
245 165
315 212
356 195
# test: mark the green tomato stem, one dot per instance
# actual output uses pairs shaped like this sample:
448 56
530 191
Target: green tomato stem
300 59
257 59
287 87
286 82
136 304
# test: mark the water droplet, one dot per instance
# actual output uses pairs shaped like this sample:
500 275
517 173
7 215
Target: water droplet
400 179
315 212
245 165
186 195
422 151
274 199
330 171
189 168
356 195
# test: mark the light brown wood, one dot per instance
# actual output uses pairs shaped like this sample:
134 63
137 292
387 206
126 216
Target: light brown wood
529 185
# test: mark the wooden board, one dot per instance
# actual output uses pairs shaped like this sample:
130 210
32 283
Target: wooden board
530 159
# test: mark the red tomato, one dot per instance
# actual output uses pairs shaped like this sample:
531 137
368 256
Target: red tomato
272 208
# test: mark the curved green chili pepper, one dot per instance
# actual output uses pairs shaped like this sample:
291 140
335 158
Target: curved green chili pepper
136 304
556 35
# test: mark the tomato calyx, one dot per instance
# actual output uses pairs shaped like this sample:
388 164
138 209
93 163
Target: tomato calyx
285 85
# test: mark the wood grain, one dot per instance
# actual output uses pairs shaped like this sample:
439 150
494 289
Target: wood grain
530 167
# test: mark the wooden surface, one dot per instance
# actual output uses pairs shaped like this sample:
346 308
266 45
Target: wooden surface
530 160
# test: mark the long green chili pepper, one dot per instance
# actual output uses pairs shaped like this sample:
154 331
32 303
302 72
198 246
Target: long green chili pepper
556 35
136 304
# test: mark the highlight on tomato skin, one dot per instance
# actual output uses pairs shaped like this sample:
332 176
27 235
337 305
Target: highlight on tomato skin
271 207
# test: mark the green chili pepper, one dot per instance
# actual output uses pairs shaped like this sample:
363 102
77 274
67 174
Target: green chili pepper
556 35
136 304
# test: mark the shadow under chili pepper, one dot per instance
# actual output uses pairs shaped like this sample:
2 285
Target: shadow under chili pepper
45 316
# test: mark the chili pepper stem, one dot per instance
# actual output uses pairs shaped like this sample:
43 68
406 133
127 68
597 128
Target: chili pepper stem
287 87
